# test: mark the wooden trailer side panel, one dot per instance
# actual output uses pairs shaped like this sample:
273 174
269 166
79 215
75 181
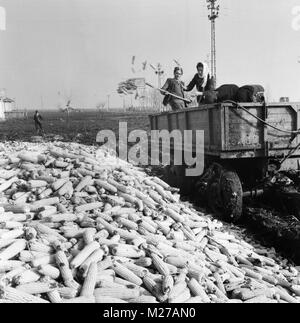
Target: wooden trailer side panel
245 132
209 119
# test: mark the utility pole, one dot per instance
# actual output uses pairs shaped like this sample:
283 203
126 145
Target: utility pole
214 14
159 72
108 96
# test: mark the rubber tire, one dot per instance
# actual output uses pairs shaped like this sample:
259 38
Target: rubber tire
232 196
213 199
169 175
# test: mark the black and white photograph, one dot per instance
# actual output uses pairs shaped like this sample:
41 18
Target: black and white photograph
149 154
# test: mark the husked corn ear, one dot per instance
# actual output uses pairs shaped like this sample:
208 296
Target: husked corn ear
177 289
88 235
160 265
84 254
96 257
67 292
27 276
49 270
9 276
144 299
30 233
143 262
54 296
179 261
80 299
151 285
45 260
12 250
18 296
128 224
121 293
167 284
138 270
8 265
65 271
37 287
108 299
88 207
104 264
11 234
90 281
35 245
197 290
127 274
194 299
181 298
124 250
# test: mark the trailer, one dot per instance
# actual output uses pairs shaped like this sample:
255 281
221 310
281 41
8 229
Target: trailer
243 143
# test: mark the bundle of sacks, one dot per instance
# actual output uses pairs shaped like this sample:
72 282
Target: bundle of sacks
246 93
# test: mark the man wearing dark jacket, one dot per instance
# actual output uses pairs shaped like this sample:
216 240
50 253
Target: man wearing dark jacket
202 82
38 122
176 87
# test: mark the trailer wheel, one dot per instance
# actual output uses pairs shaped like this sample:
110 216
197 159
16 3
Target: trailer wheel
213 198
169 175
232 196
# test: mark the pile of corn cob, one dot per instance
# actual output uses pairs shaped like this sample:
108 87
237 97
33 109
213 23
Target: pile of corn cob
80 225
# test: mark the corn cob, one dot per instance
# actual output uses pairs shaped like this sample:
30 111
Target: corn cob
144 299
36 287
108 299
90 281
12 234
12 250
27 276
138 270
177 289
106 186
84 254
49 271
160 265
129 251
54 296
65 271
50 201
167 284
127 274
18 296
6 242
80 299
8 265
121 293
197 290
7 184
45 194
67 292
88 207
183 297
104 264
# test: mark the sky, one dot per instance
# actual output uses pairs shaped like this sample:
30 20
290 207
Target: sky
53 50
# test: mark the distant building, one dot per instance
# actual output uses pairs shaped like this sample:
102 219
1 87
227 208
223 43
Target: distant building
6 105
284 99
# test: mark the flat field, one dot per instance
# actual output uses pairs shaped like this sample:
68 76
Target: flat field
80 126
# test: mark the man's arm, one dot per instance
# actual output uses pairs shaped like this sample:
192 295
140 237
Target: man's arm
191 85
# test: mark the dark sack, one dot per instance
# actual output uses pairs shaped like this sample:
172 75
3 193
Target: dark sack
227 92
250 93
209 97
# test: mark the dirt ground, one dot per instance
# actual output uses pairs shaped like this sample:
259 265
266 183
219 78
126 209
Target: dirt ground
80 126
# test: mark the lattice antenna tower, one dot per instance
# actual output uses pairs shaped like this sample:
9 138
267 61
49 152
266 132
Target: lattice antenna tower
213 15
